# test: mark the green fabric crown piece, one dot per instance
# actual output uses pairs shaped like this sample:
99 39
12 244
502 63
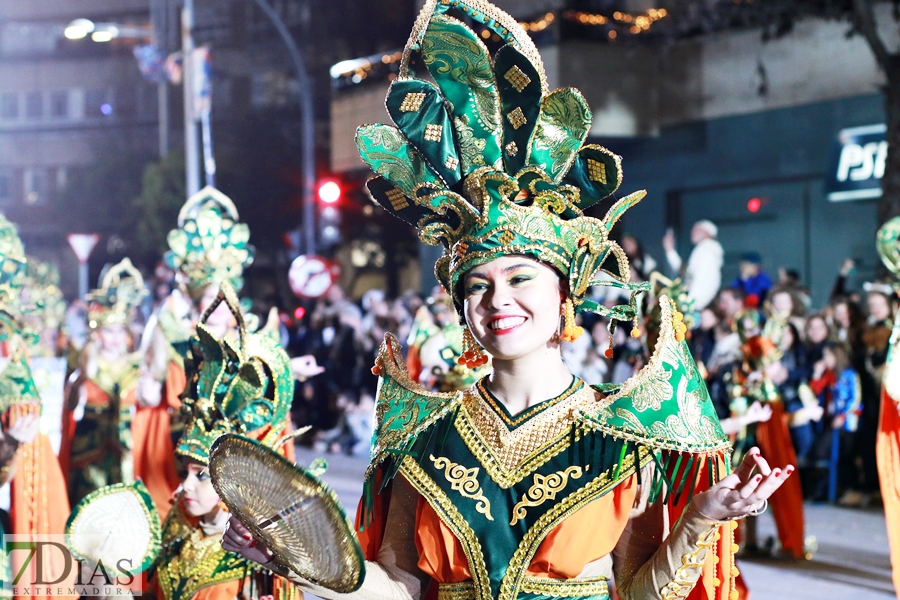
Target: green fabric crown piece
888 242
240 386
486 162
12 262
121 291
210 245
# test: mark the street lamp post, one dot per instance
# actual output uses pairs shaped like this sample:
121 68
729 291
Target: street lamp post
307 123
192 159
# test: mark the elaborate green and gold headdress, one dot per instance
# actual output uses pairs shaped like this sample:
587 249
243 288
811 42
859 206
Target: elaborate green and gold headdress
40 298
210 245
12 262
240 386
488 163
121 291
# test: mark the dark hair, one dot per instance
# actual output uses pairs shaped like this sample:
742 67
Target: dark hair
841 356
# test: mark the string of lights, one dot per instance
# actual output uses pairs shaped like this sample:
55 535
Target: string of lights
352 72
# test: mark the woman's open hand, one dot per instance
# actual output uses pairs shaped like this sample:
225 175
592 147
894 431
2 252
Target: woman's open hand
238 539
742 491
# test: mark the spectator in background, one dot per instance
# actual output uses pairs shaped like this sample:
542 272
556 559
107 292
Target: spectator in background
729 303
703 272
817 336
642 264
836 384
753 280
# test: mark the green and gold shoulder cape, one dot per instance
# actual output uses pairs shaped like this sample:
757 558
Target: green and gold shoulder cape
502 483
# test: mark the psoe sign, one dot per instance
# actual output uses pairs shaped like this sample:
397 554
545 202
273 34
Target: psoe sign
857 163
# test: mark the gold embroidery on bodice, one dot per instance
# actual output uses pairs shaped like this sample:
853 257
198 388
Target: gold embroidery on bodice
507 455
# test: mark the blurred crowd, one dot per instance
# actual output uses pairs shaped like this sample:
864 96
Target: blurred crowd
757 339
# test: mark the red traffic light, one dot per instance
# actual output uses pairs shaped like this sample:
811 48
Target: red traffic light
329 192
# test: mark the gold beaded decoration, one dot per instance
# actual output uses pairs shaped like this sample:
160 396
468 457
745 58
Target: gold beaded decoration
596 170
412 102
451 162
433 132
512 149
473 355
516 118
517 78
397 199
571 330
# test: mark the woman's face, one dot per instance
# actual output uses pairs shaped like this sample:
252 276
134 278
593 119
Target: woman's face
629 245
512 306
113 338
879 307
782 302
817 330
842 315
708 319
200 496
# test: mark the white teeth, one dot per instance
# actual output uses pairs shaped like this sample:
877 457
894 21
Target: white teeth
507 323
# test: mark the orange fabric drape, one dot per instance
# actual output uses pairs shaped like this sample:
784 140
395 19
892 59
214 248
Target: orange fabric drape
774 441
39 501
887 448
153 451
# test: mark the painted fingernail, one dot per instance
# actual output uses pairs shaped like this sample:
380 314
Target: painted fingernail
776 472
253 544
758 478
247 536
789 469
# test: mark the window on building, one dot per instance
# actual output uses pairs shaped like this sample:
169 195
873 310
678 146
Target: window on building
34 105
98 103
17 38
36 186
9 105
6 187
59 104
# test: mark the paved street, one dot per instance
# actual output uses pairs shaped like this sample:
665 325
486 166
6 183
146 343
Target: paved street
852 562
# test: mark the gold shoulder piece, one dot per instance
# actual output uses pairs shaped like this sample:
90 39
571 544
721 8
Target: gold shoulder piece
403 407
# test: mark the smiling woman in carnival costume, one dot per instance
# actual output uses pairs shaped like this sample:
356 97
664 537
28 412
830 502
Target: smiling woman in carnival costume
532 483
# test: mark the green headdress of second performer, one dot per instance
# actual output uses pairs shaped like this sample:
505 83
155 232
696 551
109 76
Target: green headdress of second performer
235 385
487 162
210 245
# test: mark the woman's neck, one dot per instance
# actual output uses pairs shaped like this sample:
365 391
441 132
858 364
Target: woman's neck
525 381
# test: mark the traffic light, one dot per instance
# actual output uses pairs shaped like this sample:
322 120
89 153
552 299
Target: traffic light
329 193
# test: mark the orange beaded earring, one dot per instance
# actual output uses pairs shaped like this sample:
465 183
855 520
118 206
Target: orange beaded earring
571 330
473 355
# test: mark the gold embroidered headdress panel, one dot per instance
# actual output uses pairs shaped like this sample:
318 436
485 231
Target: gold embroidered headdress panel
121 291
242 385
210 245
486 162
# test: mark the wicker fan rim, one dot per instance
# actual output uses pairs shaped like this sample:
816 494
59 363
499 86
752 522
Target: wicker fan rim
145 501
237 444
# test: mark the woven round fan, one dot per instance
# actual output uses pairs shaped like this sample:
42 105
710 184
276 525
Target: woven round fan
115 524
289 509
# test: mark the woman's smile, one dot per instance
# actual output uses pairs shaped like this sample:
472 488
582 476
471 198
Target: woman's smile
503 324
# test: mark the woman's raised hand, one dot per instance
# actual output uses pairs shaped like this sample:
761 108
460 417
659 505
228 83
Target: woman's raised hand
238 539
742 491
